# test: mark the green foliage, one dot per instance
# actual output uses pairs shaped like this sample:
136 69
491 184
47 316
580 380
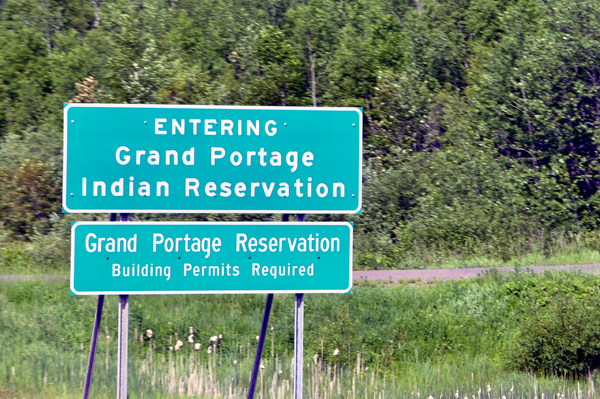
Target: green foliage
481 116
279 75
558 331
31 197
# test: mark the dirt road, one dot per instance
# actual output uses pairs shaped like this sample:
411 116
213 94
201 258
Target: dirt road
457 274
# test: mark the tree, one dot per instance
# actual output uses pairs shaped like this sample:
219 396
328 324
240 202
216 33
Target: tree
24 79
32 196
537 90
279 79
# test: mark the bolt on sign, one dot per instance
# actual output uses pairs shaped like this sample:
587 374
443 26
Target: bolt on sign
211 159
109 258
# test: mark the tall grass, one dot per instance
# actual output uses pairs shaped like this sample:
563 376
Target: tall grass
187 373
400 342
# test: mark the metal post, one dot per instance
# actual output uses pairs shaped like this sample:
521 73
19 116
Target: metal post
299 346
259 348
94 343
123 339
299 337
263 334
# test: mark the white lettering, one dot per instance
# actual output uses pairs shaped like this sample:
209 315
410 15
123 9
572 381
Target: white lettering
210 188
125 159
216 153
191 184
90 247
188 157
292 160
194 123
239 241
208 124
226 126
273 131
176 126
158 125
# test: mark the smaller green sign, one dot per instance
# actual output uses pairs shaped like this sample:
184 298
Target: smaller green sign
109 258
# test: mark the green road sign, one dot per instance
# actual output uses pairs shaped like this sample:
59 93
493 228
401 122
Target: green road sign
201 159
109 258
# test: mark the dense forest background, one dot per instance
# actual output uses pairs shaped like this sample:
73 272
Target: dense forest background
481 116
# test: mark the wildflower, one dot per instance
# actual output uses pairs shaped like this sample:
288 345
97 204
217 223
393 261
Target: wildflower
170 348
315 358
149 333
262 366
257 337
213 339
191 330
178 344
336 352
503 397
191 339
197 346
366 368
489 389
235 362
209 350
280 372
456 394
512 387
220 336
107 338
430 397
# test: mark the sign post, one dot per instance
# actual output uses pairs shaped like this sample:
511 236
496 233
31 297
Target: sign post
94 343
122 356
123 346
299 346
299 338
263 334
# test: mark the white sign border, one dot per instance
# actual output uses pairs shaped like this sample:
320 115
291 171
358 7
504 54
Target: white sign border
235 292
167 106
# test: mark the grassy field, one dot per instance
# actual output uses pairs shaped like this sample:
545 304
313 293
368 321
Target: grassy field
407 341
553 250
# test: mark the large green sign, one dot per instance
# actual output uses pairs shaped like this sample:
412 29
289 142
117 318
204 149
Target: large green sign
183 159
207 258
